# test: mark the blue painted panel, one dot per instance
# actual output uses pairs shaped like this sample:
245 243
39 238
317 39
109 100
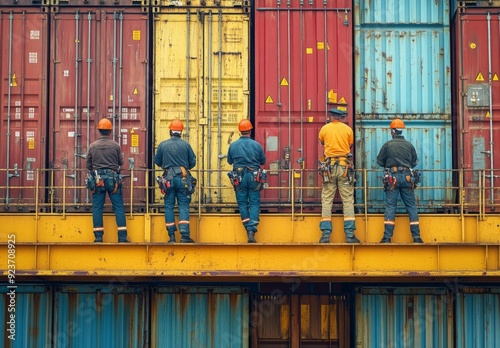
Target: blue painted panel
433 143
402 59
478 319
107 315
404 317
31 306
199 317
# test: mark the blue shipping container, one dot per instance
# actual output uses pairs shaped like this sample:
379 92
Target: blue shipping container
402 69
404 317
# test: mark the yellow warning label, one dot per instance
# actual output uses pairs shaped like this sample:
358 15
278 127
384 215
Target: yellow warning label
487 114
110 97
31 143
309 50
342 101
332 97
473 45
479 77
495 77
311 119
136 35
134 140
269 100
284 82
135 91
320 45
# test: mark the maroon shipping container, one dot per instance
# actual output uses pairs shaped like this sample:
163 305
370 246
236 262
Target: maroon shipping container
23 64
99 69
303 67
477 110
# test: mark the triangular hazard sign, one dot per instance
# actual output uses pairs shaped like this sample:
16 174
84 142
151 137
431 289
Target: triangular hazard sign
269 100
480 77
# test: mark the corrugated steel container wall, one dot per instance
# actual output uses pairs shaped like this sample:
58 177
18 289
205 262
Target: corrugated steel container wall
201 69
303 67
432 140
199 317
108 315
402 64
32 308
99 69
477 94
477 318
23 64
404 317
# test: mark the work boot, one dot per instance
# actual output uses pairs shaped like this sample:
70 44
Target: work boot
325 237
98 237
251 237
385 240
352 239
417 240
172 239
122 237
186 239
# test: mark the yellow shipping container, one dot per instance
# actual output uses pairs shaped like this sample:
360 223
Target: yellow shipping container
201 69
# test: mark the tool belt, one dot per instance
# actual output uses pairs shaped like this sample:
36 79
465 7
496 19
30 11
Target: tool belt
107 179
236 176
327 164
188 182
398 169
390 181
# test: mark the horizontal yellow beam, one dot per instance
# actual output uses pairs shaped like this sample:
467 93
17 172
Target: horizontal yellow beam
56 246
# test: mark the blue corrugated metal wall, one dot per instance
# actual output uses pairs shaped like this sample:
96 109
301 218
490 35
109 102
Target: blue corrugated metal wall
478 318
107 315
404 317
402 69
31 307
200 317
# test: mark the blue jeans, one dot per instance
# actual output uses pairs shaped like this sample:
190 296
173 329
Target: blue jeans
98 199
403 188
177 191
248 202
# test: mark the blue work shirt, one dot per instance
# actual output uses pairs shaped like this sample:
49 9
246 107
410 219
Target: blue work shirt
175 152
246 153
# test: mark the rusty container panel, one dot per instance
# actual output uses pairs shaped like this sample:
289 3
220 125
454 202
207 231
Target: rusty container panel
478 322
477 108
208 317
106 315
99 69
31 325
201 69
303 67
23 64
404 317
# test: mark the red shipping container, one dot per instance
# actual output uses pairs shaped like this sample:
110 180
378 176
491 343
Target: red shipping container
303 67
99 69
23 64
477 109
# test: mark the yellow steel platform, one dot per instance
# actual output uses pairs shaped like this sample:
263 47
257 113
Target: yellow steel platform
61 246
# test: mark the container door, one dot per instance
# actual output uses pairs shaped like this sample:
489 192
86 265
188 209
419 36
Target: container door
477 319
404 317
23 127
199 317
26 318
303 67
477 32
201 77
300 321
99 69
104 315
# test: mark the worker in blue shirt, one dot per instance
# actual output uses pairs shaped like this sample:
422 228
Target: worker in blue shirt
246 155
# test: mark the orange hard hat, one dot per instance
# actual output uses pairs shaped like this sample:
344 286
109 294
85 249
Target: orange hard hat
397 123
245 125
105 124
176 125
